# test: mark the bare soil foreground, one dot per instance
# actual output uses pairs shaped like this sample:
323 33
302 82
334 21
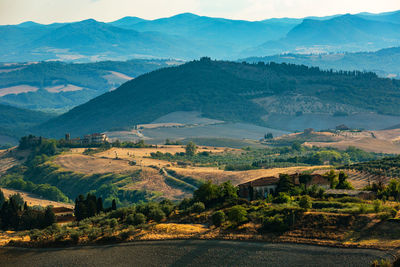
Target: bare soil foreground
192 253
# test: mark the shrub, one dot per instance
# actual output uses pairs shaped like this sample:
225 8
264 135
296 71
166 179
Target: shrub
305 202
130 219
281 198
75 236
156 214
382 263
377 205
275 224
237 214
218 218
362 208
185 204
349 200
113 222
198 207
139 218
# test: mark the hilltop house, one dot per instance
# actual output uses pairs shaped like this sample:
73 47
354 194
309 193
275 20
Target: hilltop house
262 187
95 138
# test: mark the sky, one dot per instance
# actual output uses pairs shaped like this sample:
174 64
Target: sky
48 11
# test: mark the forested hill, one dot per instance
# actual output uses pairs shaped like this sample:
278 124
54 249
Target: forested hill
15 121
231 91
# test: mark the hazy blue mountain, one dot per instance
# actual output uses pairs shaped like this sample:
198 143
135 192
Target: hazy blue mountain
222 37
392 17
189 36
126 22
90 37
343 33
266 95
385 62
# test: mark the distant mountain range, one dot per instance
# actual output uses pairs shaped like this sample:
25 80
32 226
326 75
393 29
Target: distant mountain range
280 96
342 33
58 86
189 36
385 62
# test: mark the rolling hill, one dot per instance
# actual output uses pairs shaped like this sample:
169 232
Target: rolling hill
268 95
60 86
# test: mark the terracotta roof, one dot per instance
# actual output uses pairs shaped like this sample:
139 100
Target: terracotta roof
263 181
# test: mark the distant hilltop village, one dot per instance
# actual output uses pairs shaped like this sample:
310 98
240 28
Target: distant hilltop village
95 138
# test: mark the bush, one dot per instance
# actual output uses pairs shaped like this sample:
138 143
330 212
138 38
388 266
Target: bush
305 202
139 218
281 198
237 214
349 200
275 224
130 219
362 209
156 214
377 205
198 207
218 218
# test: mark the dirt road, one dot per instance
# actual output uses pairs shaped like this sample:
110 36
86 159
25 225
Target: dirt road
192 253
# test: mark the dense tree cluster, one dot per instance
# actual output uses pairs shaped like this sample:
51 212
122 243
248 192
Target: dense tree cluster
17 215
89 206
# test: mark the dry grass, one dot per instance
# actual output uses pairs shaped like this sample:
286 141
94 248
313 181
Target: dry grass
164 231
34 200
236 177
152 180
385 141
90 165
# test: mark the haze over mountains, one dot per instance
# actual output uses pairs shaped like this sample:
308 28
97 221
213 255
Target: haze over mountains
188 36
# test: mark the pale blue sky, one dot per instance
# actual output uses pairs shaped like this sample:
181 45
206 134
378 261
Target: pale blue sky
48 11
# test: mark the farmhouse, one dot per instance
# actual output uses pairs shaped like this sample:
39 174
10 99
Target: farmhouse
259 188
262 187
95 138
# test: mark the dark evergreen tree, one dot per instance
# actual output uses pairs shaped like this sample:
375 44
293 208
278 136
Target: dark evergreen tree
114 205
99 205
